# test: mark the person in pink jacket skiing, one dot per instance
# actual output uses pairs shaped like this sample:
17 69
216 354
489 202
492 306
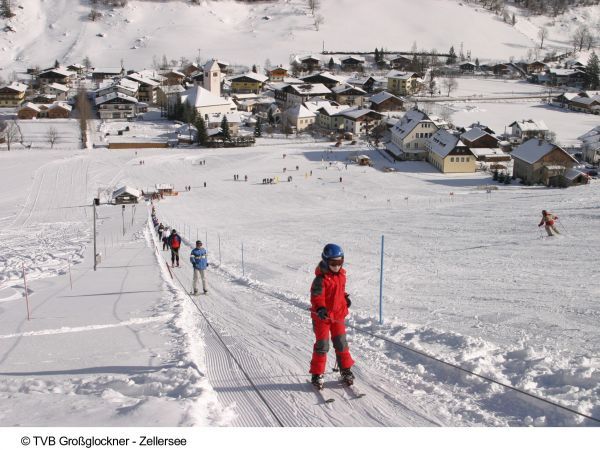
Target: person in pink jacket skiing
548 219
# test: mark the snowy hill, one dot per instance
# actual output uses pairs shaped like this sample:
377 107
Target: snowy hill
248 33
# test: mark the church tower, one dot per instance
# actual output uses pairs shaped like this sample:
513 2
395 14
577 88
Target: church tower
212 77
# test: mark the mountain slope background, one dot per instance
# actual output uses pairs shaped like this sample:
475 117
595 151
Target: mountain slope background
251 33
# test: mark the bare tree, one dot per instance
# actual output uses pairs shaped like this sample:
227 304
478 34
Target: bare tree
52 137
542 34
84 110
12 133
319 19
449 84
579 36
313 5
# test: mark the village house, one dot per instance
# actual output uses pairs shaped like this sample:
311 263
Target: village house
174 77
299 93
309 63
566 77
540 161
563 100
126 195
277 74
585 104
28 111
346 94
467 67
360 121
329 117
299 117
234 120
12 95
400 62
190 69
249 82
384 101
325 78
366 83
59 91
105 73
147 87
165 189
59 110
536 67
521 130
42 99
409 136
122 86
478 138
59 75
591 145
352 63
77 68
402 83
115 105
448 154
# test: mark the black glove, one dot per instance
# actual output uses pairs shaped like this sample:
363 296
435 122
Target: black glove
348 301
322 313
207 264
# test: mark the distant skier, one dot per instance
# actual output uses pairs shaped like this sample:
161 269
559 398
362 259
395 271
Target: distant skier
161 229
329 308
165 238
199 261
548 220
174 244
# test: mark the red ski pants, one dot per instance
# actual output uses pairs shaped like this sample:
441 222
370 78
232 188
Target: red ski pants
323 330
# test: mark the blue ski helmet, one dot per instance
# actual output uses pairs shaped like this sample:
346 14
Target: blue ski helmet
332 251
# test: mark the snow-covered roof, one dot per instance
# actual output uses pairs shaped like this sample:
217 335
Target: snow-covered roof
382 96
113 95
443 142
139 78
172 89
410 120
299 111
108 70
57 87
232 117
211 65
30 105
357 113
530 125
360 59
315 105
474 133
163 186
488 152
126 190
563 72
591 136
16 86
313 89
586 100
571 174
252 75
332 110
400 75
62 105
348 87
59 71
199 97
533 150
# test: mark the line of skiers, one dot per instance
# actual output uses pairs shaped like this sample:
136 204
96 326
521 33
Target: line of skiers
198 257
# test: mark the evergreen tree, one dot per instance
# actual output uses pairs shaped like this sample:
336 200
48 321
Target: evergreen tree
592 72
6 9
257 128
201 127
254 69
56 64
331 64
477 63
451 56
495 177
225 129
376 57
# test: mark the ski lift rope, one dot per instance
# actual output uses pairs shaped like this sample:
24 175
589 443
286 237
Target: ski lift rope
454 366
397 344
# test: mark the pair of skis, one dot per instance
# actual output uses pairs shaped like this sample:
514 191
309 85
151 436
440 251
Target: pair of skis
348 386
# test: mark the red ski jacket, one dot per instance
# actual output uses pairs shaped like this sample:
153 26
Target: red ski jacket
328 290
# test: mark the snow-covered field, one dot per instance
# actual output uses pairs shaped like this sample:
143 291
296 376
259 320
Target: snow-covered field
467 278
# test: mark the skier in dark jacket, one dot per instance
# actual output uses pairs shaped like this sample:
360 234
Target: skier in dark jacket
161 228
165 238
329 308
174 244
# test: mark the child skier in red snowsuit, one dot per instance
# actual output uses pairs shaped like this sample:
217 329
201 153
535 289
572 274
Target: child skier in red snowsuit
548 220
330 303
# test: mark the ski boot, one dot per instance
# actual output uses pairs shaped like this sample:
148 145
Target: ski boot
317 381
347 376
